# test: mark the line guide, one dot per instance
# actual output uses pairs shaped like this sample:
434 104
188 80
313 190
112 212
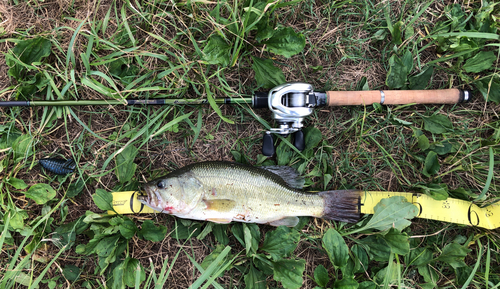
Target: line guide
450 210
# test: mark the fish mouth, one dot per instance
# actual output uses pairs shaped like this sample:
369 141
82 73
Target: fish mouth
145 196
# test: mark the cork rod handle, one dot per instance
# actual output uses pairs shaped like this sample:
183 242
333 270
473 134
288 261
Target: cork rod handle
442 96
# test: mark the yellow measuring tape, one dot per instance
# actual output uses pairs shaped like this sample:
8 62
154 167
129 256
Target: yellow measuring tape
450 210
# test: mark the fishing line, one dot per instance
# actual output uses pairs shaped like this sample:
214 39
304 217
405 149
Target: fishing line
449 210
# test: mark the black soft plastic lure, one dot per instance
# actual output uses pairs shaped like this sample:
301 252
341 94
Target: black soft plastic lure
58 166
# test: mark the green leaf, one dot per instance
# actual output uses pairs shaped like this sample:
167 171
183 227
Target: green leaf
461 193
489 88
326 179
265 30
423 142
125 167
71 272
41 193
481 61
377 247
220 233
66 233
280 242
128 228
251 233
255 279
401 121
103 199
368 285
457 16
23 279
262 263
362 84
360 259
107 246
454 254
463 274
407 61
431 165
396 33
255 16
118 273
22 147
336 248
389 274
421 80
266 74
312 137
436 191
398 241
284 153
321 276
213 256
17 217
131 266
237 156
430 274
206 230
437 124
380 34
75 188
152 233
289 272
27 52
419 257
17 183
397 74
237 230
441 148
393 212
217 51
347 282
32 84
122 67
286 42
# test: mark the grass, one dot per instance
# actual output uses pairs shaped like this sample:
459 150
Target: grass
198 49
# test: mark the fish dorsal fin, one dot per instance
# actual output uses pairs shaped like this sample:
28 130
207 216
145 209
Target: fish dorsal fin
220 205
290 175
286 221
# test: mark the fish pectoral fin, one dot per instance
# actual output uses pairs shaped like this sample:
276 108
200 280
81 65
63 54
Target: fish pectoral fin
286 221
219 220
220 205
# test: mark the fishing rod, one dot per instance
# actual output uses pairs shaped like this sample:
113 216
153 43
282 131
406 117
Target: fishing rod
290 104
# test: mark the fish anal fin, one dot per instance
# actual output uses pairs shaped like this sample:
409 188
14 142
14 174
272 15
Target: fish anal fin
286 221
219 220
220 205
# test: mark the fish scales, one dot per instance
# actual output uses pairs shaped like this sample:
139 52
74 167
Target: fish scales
223 192
256 192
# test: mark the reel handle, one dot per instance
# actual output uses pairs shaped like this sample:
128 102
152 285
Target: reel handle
441 96
268 145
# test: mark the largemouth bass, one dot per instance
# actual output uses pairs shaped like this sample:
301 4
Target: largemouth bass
222 192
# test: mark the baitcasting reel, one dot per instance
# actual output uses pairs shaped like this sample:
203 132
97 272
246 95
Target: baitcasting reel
290 104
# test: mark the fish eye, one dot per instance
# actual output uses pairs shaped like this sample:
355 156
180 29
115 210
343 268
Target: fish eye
160 185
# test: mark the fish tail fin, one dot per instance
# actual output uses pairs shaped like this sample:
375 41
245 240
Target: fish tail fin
342 205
